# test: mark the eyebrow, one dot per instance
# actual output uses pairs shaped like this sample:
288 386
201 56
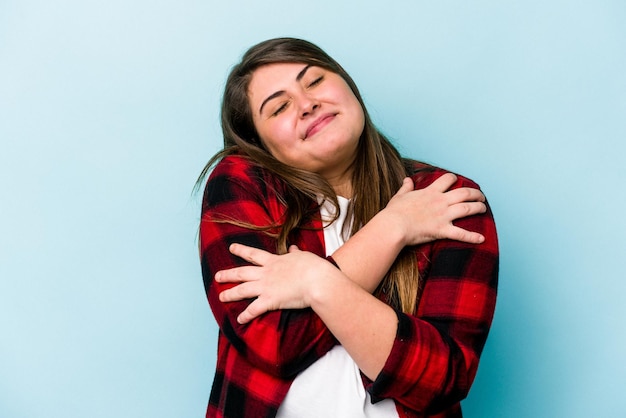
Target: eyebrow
281 92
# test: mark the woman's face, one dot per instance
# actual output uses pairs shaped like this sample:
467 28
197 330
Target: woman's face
307 117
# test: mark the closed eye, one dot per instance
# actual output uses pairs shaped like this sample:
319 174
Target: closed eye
280 109
316 81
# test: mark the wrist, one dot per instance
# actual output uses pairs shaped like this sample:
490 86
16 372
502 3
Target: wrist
389 227
326 287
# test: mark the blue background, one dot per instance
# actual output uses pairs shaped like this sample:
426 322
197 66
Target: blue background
109 110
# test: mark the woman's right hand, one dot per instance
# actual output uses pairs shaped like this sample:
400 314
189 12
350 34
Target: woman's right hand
427 214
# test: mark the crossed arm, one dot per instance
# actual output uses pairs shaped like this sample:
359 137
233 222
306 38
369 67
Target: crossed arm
342 298
435 353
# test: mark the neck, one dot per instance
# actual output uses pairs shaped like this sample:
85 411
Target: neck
341 182
342 188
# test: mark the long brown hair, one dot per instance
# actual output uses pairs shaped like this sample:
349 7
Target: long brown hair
377 163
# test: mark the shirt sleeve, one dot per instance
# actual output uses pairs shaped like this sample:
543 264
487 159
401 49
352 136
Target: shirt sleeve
435 355
280 343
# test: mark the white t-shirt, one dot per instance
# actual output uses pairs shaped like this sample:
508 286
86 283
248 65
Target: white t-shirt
332 386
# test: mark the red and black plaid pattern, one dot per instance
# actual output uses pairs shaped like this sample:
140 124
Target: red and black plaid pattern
435 356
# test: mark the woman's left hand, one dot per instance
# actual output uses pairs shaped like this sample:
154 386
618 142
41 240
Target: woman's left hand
276 281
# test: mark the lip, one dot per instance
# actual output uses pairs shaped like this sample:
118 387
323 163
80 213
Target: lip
318 124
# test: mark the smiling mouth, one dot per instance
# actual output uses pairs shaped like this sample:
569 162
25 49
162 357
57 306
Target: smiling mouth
319 124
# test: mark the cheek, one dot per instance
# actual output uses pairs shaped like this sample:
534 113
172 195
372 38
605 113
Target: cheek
355 110
275 137
359 118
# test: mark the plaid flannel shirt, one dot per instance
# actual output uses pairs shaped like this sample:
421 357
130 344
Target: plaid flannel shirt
435 355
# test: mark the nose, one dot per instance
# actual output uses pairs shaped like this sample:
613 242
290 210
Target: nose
308 105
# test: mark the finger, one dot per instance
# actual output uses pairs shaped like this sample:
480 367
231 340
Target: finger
293 248
461 210
443 183
251 254
465 194
407 186
237 274
463 235
254 309
240 292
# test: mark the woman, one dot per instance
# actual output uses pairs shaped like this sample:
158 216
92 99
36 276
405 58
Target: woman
340 286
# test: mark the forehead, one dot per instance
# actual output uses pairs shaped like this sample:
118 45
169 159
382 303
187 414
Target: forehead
272 77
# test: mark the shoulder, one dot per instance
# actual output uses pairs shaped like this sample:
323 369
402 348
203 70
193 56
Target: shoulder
233 165
236 179
240 170
424 174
